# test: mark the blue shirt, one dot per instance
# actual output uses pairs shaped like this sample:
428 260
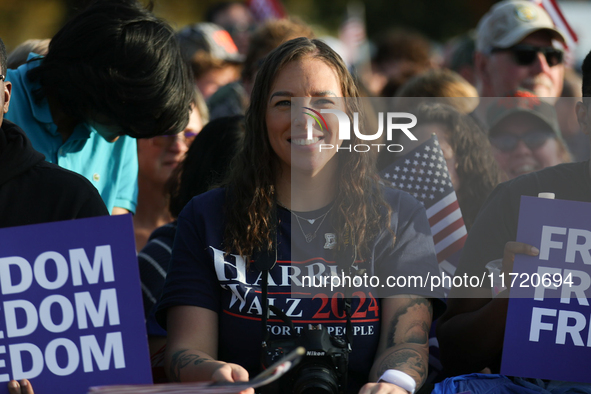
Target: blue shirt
112 167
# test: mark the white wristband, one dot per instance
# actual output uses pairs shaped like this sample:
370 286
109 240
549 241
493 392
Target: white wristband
400 379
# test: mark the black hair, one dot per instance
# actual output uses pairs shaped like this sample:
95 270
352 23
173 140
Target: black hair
586 71
206 162
116 64
3 57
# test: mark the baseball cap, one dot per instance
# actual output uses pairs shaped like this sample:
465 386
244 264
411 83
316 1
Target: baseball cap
510 21
210 38
522 101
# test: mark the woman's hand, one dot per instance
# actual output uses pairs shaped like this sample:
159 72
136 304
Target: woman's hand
382 388
229 372
22 387
511 249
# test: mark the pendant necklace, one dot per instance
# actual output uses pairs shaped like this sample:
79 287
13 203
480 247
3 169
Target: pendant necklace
310 236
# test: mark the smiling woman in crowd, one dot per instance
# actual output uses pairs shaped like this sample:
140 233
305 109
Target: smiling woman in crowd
284 196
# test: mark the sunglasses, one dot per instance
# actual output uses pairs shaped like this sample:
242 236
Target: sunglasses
525 55
167 140
533 140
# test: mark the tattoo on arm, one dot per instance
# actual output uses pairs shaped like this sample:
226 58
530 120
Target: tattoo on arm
409 326
409 360
180 360
411 316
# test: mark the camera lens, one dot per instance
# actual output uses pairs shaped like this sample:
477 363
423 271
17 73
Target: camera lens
316 380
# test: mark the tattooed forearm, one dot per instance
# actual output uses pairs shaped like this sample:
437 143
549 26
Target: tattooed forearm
411 322
407 360
180 360
407 338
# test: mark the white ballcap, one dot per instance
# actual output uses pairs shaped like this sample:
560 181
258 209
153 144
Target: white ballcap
510 21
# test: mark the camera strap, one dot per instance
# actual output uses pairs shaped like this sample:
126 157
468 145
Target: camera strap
264 261
264 301
349 336
346 256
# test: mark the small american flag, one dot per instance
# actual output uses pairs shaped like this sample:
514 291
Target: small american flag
266 9
423 174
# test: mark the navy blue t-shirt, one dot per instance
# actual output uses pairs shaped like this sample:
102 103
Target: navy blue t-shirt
202 275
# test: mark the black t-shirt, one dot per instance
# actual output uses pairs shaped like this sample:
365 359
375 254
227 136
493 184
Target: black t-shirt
201 275
496 223
35 191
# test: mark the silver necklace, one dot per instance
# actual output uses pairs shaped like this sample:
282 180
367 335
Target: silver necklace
310 236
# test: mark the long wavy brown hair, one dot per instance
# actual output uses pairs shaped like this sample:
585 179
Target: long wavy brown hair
250 186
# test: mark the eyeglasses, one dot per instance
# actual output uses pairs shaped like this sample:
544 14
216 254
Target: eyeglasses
2 77
167 140
533 140
525 55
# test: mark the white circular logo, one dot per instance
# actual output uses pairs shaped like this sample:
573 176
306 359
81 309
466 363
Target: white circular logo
526 13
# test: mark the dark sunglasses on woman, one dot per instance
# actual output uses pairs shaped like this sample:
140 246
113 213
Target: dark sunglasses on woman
524 54
533 140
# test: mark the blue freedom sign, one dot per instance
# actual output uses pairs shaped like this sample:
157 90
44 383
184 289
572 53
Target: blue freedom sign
547 334
71 312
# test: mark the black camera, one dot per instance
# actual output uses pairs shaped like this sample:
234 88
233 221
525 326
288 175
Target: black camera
322 370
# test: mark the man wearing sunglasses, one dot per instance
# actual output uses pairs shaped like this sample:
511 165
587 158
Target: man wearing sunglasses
472 330
515 49
524 134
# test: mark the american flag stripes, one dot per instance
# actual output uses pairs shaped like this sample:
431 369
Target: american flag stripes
552 8
423 173
560 22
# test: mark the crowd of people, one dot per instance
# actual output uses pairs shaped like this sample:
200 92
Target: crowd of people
201 134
